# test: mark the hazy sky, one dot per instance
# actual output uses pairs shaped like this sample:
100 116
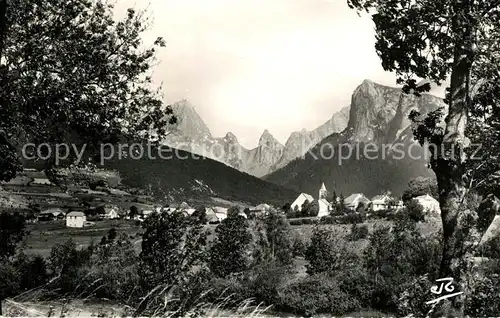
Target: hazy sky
250 65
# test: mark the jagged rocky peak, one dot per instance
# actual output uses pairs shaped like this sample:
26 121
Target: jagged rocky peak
268 140
230 137
189 122
378 113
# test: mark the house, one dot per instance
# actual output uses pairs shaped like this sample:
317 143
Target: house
41 181
303 197
213 216
75 219
261 209
381 202
429 204
354 200
51 214
325 207
111 213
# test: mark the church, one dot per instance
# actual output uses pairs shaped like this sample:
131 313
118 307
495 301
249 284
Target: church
325 207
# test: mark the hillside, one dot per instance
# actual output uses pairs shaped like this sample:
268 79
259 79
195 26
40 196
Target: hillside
378 118
177 178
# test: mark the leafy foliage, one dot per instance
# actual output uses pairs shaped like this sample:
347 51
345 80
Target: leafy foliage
71 73
12 231
421 186
326 254
229 252
172 245
358 232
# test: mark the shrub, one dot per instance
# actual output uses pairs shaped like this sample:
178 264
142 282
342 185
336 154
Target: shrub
351 218
358 232
308 221
486 291
295 222
414 211
115 265
278 236
315 295
31 271
68 263
264 281
172 245
299 246
228 253
396 257
328 219
327 253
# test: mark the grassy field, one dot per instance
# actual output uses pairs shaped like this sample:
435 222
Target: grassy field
44 235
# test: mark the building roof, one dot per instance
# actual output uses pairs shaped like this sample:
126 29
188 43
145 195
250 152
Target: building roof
381 197
184 205
262 206
218 209
76 214
355 196
425 197
54 211
307 196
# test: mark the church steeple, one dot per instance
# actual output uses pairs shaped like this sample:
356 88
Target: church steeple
323 193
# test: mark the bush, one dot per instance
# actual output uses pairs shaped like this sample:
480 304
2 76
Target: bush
172 245
414 211
69 264
327 253
265 280
299 246
358 232
328 219
228 253
351 218
31 271
295 222
308 221
395 257
114 265
486 291
315 295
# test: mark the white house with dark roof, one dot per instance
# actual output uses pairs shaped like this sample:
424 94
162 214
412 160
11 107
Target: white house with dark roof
75 219
381 202
354 200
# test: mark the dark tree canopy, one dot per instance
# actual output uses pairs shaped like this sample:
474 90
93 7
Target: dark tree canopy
70 73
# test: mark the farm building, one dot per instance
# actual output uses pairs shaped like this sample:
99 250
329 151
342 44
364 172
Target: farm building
111 213
75 219
429 204
380 202
354 200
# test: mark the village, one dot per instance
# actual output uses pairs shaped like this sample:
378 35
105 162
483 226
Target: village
116 204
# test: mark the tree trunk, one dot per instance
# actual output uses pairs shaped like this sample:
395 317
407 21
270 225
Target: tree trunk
449 165
3 25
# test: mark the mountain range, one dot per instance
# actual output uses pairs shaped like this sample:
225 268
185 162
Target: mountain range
191 134
376 117
378 120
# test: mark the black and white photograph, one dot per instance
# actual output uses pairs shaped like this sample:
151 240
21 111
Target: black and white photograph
249 158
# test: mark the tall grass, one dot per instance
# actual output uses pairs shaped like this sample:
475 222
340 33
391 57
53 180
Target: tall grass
159 302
